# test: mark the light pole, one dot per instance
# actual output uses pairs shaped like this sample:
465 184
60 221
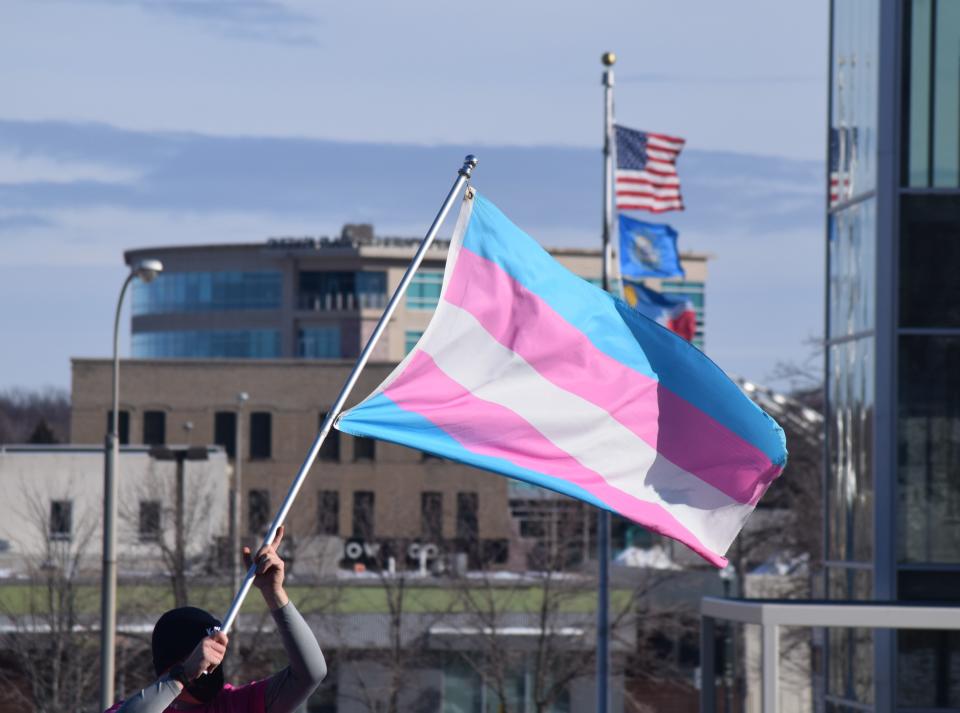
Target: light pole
237 567
146 270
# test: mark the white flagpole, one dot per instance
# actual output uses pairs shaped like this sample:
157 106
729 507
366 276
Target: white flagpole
463 177
603 517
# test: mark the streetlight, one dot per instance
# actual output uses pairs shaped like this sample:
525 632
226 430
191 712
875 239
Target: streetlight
235 496
146 270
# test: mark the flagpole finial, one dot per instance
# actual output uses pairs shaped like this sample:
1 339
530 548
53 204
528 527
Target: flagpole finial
608 59
469 163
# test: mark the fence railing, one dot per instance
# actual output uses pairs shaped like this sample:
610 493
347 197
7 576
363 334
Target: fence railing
771 614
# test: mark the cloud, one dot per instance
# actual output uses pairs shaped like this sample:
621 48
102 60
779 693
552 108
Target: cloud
759 217
255 20
654 78
23 168
16 222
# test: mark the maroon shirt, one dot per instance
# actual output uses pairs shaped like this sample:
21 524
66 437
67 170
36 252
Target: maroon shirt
243 699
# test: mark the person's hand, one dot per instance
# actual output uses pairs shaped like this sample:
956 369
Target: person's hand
269 576
206 656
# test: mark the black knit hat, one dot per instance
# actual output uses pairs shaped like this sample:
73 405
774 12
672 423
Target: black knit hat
177 634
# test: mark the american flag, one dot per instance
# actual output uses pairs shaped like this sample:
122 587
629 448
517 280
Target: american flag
646 175
843 155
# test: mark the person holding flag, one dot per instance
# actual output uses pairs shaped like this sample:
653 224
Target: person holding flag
188 650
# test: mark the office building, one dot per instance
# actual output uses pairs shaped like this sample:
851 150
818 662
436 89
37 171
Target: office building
892 498
313 298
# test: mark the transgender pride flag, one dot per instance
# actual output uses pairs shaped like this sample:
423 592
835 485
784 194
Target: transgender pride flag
531 372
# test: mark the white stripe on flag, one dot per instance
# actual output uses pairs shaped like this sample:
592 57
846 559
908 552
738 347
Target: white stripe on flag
469 355
631 202
652 177
662 143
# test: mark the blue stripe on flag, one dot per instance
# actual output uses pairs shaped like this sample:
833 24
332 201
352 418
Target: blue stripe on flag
615 329
382 418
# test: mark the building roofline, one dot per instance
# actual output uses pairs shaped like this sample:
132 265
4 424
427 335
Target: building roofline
322 245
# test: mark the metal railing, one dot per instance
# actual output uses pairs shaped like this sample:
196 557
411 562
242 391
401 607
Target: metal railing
341 301
770 615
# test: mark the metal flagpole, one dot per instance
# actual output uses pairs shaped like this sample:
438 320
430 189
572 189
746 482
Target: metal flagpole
603 518
463 177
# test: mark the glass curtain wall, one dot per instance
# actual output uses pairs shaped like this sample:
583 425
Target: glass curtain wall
928 338
850 346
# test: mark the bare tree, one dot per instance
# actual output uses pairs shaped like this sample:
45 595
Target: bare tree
542 623
170 515
50 642
383 677
41 416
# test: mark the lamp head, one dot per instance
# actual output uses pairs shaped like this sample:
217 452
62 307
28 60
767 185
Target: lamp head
242 397
608 59
147 270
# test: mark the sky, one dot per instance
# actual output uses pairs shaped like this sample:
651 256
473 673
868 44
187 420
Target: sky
128 123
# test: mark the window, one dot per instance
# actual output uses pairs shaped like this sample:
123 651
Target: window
932 136
260 435
431 516
410 339
467 525
330 450
363 523
173 292
225 431
328 512
208 343
123 426
258 511
929 250
364 448
424 290
150 524
319 343
340 290
61 520
154 428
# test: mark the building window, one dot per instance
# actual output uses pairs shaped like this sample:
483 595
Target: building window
154 428
468 526
431 516
932 136
363 522
258 511
177 292
328 512
61 520
150 525
364 448
225 431
208 343
339 290
410 339
123 426
330 450
260 435
424 290
319 343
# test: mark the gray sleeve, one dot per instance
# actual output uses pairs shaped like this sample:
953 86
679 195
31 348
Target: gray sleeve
156 698
289 688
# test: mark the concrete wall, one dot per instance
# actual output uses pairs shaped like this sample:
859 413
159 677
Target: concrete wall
34 477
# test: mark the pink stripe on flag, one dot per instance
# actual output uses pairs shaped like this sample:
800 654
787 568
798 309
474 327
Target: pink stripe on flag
492 430
532 329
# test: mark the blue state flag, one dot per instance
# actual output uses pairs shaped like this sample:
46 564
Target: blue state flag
648 249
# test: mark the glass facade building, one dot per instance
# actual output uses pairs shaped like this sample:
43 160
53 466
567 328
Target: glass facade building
172 292
892 481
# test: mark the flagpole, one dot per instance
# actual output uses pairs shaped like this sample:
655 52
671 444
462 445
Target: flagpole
463 177
603 518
